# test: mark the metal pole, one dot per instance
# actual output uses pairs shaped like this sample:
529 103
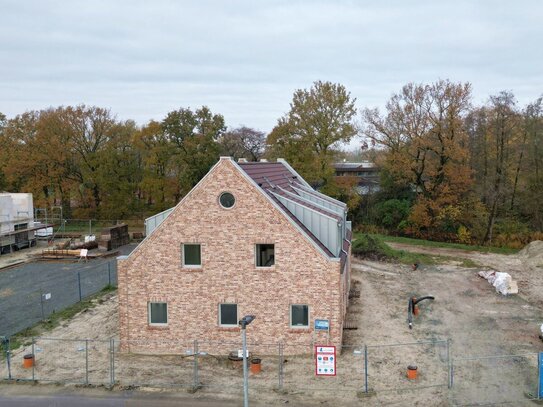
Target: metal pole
365 368
280 366
33 361
449 363
90 227
109 272
86 361
79 284
113 361
8 357
245 378
540 377
195 379
41 303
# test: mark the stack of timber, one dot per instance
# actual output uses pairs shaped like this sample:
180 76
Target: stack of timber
114 237
72 254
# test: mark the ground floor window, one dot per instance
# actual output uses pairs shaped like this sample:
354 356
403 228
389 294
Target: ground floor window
158 313
299 316
228 314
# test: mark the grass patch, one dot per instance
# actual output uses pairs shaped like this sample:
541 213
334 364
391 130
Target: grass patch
373 247
431 243
56 318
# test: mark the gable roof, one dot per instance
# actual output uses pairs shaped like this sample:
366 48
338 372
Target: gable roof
322 218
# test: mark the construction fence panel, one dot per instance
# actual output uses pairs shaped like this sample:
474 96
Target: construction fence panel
496 379
93 278
299 370
52 288
154 363
388 365
220 366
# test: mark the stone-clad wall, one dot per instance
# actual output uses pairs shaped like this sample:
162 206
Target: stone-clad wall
154 273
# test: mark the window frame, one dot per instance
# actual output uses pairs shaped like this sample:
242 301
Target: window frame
190 266
308 317
257 255
226 207
149 314
220 315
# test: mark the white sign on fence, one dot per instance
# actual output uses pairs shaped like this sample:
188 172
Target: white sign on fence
325 360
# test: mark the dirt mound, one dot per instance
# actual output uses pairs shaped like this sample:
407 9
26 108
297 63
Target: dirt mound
533 253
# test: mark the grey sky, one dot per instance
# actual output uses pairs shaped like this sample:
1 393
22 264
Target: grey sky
244 59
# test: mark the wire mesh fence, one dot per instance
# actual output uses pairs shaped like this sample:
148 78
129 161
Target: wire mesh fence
496 379
215 367
34 291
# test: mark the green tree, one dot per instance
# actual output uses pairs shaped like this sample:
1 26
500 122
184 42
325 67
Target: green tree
194 136
319 120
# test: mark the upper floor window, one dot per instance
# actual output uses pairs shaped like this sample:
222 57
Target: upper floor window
192 255
227 200
265 255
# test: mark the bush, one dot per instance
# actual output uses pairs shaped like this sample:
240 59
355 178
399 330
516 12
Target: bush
392 212
371 247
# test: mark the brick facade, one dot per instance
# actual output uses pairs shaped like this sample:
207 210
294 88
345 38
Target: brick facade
301 275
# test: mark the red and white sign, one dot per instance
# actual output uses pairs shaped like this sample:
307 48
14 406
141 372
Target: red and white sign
325 360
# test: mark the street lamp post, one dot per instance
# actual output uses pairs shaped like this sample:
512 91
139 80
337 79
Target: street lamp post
243 322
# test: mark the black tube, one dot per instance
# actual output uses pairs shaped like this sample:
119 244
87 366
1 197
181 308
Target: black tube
417 300
410 307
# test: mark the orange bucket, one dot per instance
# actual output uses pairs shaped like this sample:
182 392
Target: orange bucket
28 361
411 372
256 365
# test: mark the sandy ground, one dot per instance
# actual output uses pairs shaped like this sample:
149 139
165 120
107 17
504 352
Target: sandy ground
467 310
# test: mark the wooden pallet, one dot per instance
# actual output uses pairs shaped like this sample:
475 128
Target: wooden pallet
350 325
353 293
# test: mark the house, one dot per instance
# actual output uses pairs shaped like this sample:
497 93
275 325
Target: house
17 229
249 238
365 173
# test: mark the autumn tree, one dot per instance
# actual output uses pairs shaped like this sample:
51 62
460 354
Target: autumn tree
425 141
194 135
243 142
319 120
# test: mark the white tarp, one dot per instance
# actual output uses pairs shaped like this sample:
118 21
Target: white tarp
503 282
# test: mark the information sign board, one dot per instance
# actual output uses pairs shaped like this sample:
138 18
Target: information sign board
322 325
325 360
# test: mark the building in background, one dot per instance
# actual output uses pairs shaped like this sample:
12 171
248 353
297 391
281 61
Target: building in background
249 238
366 174
17 229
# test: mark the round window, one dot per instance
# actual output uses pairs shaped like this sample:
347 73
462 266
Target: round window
227 200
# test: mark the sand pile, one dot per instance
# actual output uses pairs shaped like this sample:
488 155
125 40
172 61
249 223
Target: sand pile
532 254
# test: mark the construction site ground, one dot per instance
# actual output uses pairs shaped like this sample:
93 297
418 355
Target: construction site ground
500 332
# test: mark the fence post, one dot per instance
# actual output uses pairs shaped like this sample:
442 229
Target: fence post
113 361
79 284
449 367
6 347
34 361
86 361
280 365
365 368
195 380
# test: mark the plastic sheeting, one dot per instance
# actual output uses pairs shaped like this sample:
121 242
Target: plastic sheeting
503 282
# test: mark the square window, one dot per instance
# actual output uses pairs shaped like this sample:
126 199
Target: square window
192 256
228 314
158 313
299 316
265 255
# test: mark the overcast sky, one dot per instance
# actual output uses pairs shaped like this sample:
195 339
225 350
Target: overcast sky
244 59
